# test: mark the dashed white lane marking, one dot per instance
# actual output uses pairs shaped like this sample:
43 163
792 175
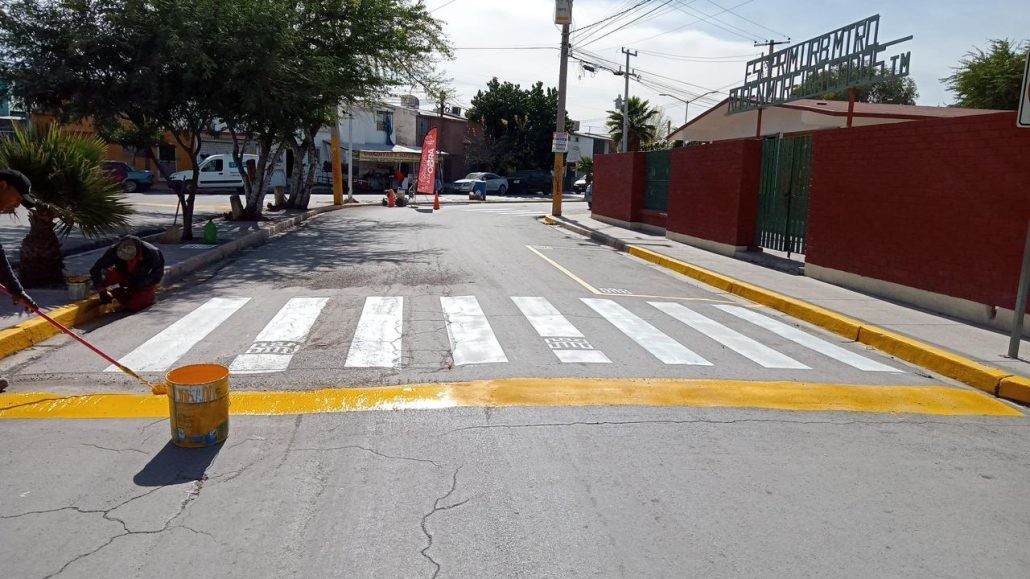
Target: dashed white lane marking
472 339
160 352
275 346
647 336
567 342
811 342
743 345
377 341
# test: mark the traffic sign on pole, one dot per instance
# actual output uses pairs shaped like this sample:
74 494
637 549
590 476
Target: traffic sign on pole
560 143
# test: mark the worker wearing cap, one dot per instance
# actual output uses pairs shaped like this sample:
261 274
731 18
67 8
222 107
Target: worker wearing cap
135 267
15 189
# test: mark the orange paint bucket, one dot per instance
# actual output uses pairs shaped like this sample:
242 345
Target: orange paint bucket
198 404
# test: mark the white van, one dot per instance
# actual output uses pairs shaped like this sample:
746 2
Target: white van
216 172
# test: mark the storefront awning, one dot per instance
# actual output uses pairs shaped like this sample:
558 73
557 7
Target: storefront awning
382 153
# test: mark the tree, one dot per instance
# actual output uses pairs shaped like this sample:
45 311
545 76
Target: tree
992 79
304 58
136 70
585 165
885 88
642 128
67 178
517 125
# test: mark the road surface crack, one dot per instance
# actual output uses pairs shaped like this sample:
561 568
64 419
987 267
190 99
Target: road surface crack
370 451
106 514
118 450
437 508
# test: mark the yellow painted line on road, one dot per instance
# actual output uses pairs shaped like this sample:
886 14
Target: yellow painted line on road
538 392
562 269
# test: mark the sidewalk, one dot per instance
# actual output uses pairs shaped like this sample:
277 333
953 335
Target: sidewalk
981 345
180 259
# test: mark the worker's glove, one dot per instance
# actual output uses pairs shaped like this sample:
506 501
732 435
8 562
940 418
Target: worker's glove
20 299
105 296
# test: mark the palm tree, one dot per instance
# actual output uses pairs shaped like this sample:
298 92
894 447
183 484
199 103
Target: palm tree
68 180
642 123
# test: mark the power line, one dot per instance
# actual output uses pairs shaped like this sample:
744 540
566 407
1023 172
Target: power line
719 23
505 48
615 20
687 58
444 5
625 25
760 25
692 22
607 18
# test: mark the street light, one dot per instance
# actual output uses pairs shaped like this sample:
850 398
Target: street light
686 109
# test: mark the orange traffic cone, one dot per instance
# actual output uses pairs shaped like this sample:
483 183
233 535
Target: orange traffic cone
436 201
390 201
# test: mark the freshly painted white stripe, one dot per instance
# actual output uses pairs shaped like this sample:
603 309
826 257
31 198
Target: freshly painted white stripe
160 352
743 345
377 341
811 342
546 319
549 323
472 338
582 356
647 336
275 346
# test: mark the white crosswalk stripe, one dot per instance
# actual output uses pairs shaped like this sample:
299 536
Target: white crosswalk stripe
647 336
275 346
159 353
472 339
377 341
811 342
567 342
732 339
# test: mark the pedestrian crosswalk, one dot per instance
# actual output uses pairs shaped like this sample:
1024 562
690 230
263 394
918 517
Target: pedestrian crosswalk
375 331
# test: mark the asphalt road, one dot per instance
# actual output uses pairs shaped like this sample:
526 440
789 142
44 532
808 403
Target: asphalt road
479 492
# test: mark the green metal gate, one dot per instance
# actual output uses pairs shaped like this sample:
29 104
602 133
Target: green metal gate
656 191
783 193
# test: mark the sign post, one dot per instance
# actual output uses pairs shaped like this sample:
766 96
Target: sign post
1022 121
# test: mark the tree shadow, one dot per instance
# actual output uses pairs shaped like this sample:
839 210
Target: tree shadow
173 465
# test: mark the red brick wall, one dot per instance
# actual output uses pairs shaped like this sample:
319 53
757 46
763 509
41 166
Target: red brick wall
940 205
619 185
713 191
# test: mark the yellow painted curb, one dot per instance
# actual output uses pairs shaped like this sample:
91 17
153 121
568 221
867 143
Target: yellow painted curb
537 392
951 365
27 333
1015 388
980 376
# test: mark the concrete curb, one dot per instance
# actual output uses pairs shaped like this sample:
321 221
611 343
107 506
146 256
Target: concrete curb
26 334
989 379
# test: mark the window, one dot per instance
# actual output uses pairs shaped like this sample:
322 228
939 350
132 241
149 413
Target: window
383 118
232 164
214 166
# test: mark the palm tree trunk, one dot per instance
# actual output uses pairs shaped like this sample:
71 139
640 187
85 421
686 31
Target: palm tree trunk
41 263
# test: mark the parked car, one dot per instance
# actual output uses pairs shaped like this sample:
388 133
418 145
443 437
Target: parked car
216 172
131 178
530 182
494 183
580 186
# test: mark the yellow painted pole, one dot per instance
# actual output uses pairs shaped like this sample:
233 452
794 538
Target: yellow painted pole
337 172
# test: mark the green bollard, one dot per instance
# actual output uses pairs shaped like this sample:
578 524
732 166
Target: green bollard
210 232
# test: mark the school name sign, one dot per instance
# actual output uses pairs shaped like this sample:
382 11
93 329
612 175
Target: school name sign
801 71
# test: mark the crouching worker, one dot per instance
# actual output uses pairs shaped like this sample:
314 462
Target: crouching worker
135 267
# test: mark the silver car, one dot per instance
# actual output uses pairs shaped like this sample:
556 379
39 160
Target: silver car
494 183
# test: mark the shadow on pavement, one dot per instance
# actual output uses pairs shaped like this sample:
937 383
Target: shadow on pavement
175 465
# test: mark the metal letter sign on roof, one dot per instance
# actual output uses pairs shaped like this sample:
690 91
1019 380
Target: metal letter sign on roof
1023 120
854 50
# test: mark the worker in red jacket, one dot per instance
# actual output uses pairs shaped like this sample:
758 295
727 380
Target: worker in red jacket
135 267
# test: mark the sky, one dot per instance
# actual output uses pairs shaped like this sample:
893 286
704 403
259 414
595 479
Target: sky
694 46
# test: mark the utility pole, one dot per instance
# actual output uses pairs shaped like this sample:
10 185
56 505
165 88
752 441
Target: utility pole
625 103
558 181
337 173
350 157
